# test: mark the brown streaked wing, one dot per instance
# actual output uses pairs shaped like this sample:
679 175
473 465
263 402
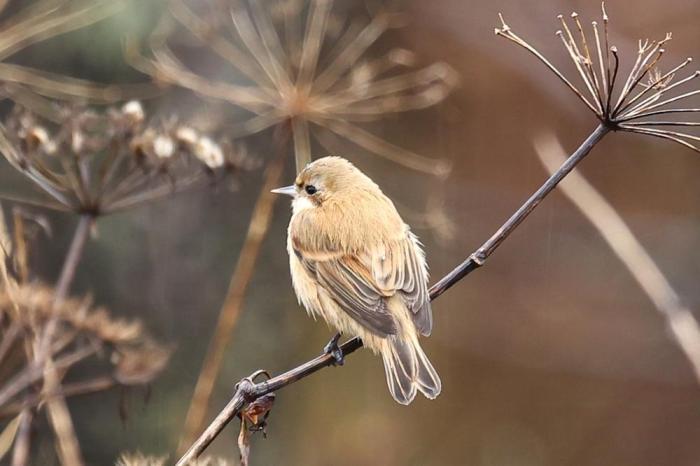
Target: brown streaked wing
399 266
351 285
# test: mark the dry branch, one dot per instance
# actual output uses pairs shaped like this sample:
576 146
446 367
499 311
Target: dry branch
614 108
248 391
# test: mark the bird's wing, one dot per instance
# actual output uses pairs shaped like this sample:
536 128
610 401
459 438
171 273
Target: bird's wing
352 287
399 266
361 283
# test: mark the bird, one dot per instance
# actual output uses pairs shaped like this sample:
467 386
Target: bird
356 264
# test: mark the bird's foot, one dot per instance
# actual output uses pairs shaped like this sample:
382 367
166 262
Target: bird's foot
334 350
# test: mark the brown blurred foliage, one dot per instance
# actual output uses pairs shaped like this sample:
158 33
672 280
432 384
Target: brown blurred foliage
550 354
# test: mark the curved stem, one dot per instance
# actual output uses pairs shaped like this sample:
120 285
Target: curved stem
247 391
70 265
59 416
478 257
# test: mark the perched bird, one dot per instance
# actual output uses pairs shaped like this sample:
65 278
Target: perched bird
355 263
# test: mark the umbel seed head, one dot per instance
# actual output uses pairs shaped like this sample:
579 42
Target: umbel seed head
623 103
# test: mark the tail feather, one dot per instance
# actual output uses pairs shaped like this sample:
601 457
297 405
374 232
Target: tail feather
408 370
427 377
399 375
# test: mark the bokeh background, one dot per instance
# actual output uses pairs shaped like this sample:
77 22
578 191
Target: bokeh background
549 355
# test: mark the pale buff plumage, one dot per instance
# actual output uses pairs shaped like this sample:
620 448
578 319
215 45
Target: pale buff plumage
355 263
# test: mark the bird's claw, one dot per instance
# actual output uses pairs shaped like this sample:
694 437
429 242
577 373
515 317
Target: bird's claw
334 350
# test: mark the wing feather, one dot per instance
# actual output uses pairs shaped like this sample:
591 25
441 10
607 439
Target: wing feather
361 284
353 290
400 267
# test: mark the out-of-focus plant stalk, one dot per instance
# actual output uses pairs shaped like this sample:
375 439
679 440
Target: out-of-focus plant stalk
94 164
242 275
684 327
57 409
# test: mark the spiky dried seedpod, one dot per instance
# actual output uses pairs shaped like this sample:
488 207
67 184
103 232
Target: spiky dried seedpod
133 112
81 331
623 103
140 365
99 162
33 305
286 79
139 459
209 152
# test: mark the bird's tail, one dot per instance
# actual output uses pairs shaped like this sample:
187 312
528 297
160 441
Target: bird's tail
408 370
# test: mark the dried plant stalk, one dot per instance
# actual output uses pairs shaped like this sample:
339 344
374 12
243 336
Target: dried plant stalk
233 303
59 416
685 329
612 113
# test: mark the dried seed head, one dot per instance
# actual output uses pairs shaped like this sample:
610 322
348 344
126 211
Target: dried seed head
209 152
108 143
138 459
163 146
77 142
133 110
34 304
187 136
140 365
622 103
304 63
37 136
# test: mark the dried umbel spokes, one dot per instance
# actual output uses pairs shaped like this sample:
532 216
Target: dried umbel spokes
41 20
306 67
139 459
631 103
98 162
83 333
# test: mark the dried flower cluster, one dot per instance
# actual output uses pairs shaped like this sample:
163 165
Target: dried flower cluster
645 92
139 459
83 333
305 65
98 162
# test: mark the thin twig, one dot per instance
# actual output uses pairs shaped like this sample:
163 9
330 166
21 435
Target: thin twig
70 265
34 372
597 210
57 409
59 417
20 451
478 258
247 391
98 384
231 309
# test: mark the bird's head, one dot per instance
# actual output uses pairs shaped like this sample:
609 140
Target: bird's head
326 179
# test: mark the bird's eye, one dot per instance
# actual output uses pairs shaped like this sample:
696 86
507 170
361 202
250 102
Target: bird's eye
310 189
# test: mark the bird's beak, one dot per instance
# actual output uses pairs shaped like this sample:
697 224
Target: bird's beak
288 190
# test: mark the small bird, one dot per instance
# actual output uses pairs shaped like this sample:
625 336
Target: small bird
355 263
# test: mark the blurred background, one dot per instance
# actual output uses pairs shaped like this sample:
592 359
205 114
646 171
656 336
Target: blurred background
549 355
